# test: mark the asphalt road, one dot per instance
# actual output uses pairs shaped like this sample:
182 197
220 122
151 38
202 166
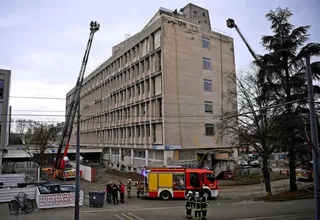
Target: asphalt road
225 192
159 210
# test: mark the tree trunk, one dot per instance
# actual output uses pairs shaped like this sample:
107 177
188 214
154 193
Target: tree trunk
266 176
292 169
42 155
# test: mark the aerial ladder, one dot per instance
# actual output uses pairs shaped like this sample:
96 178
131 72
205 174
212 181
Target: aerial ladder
59 167
231 24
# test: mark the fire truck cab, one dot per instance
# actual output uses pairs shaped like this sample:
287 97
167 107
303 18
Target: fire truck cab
167 183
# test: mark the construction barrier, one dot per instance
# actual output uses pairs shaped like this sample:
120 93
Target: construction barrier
57 200
86 172
8 194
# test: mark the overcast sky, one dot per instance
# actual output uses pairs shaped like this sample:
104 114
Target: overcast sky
43 42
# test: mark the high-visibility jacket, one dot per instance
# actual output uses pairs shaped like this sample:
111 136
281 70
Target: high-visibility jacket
188 202
197 204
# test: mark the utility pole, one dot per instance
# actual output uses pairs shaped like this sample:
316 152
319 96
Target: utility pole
94 27
314 139
77 193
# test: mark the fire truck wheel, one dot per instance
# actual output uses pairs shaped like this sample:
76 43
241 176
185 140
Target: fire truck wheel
165 195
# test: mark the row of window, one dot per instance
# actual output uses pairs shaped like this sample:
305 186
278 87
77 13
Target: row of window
148 44
124 135
149 109
125 152
118 82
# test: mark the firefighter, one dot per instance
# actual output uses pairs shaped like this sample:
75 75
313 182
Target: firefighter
129 188
197 206
189 204
204 207
138 188
142 188
115 194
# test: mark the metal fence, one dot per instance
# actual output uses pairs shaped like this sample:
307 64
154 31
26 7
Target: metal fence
11 180
7 195
30 169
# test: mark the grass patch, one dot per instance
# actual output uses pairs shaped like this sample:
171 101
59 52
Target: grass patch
306 193
251 179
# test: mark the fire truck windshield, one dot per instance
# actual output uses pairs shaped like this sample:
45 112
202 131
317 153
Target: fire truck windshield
211 177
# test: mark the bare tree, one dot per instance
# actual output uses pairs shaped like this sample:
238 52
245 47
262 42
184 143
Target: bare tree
255 122
37 137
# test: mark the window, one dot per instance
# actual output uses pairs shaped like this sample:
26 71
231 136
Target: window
195 14
178 181
206 43
206 63
148 85
138 89
211 177
208 106
148 130
143 109
207 83
154 133
138 110
142 88
1 88
209 129
138 131
194 180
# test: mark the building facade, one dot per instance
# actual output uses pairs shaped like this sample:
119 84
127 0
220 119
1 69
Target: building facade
160 97
5 78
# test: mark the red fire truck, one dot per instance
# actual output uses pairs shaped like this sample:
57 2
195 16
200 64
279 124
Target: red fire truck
174 182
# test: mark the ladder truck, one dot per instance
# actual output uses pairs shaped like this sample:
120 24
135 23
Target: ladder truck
61 167
306 170
231 24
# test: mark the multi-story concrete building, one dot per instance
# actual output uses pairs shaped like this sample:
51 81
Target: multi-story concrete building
60 127
160 97
5 78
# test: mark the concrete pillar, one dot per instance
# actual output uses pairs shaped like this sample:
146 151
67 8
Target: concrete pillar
120 155
131 158
110 154
147 157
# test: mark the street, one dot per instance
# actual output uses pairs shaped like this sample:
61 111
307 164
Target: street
175 210
225 192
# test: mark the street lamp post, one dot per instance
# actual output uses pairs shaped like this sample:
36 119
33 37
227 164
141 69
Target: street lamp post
314 139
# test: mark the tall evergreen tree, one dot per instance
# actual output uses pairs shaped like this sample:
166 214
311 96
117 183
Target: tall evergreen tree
282 74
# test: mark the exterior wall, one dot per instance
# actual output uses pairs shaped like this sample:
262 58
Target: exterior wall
5 75
184 95
149 96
